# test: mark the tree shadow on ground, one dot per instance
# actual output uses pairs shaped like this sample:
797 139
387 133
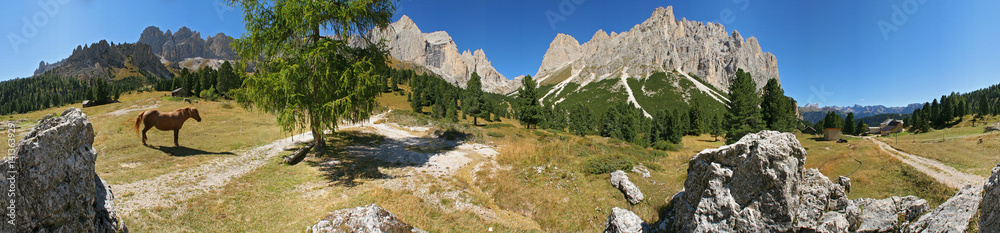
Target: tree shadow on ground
354 157
181 151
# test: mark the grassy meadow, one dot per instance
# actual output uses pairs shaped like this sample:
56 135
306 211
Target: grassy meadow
541 180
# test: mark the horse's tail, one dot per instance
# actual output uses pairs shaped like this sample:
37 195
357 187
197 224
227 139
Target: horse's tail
138 121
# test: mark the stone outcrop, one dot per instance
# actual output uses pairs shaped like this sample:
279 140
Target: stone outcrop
437 52
992 128
624 221
953 215
884 215
57 189
661 43
620 180
186 43
371 218
989 220
759 183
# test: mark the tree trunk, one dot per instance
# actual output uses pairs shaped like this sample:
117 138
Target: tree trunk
317 131
474 122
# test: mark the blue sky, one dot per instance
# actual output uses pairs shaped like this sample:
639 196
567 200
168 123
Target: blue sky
829 52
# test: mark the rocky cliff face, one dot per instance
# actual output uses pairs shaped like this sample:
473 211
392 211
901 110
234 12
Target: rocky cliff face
186 43
438 52
93 60
661 43
56 187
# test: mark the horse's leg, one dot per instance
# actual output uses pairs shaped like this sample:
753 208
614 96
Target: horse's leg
145 128
175 137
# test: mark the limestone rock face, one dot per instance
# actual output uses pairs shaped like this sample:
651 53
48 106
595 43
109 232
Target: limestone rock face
371 218
953 215
624 221
661 43
833 222
884 215
57 187
186 43
989 220
437 52
757 183
620 181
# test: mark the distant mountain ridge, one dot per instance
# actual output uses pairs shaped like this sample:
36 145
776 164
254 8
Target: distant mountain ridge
185 43
813 113
105 59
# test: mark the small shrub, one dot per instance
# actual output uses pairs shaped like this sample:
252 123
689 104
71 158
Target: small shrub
227 105
665 145
495 134
540 133
606 164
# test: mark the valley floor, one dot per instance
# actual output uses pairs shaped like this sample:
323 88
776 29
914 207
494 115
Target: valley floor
437 176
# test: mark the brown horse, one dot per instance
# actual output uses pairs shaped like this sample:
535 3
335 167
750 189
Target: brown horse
165 121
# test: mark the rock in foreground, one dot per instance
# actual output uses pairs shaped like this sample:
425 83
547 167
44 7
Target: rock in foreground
620 181
371 218
989 221
57 189
624 221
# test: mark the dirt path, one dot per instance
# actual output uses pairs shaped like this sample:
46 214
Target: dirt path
179 186
942 173
135 107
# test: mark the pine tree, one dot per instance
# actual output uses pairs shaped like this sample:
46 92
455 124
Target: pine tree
743 114
849 128
695 117
528 108
581 118
832 120
861 129
777 109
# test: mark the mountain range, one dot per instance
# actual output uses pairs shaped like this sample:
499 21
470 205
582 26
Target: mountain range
661 63
814 113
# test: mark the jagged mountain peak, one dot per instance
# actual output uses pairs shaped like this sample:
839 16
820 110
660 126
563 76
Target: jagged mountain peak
439 53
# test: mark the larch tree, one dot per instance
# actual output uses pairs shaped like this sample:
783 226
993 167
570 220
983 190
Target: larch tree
308 79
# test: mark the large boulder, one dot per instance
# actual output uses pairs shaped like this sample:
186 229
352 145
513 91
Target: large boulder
756 184
886 215
992 128
371 218
953 215
624 221
989 221
620 181
55 186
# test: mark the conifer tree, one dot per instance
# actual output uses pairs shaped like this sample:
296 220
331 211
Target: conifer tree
743 114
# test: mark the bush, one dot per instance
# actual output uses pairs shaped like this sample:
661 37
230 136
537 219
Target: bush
227 105
209 94
495 134
665 145
606 164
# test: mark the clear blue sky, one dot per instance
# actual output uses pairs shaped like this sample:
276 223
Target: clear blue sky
830 52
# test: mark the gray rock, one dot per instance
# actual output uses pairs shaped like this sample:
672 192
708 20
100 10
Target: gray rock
953 215
57 189
992 128
989 220
853 215
371 218
620 180
751 184
844 182
833 222
624 221
641 170
884 215
814 192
